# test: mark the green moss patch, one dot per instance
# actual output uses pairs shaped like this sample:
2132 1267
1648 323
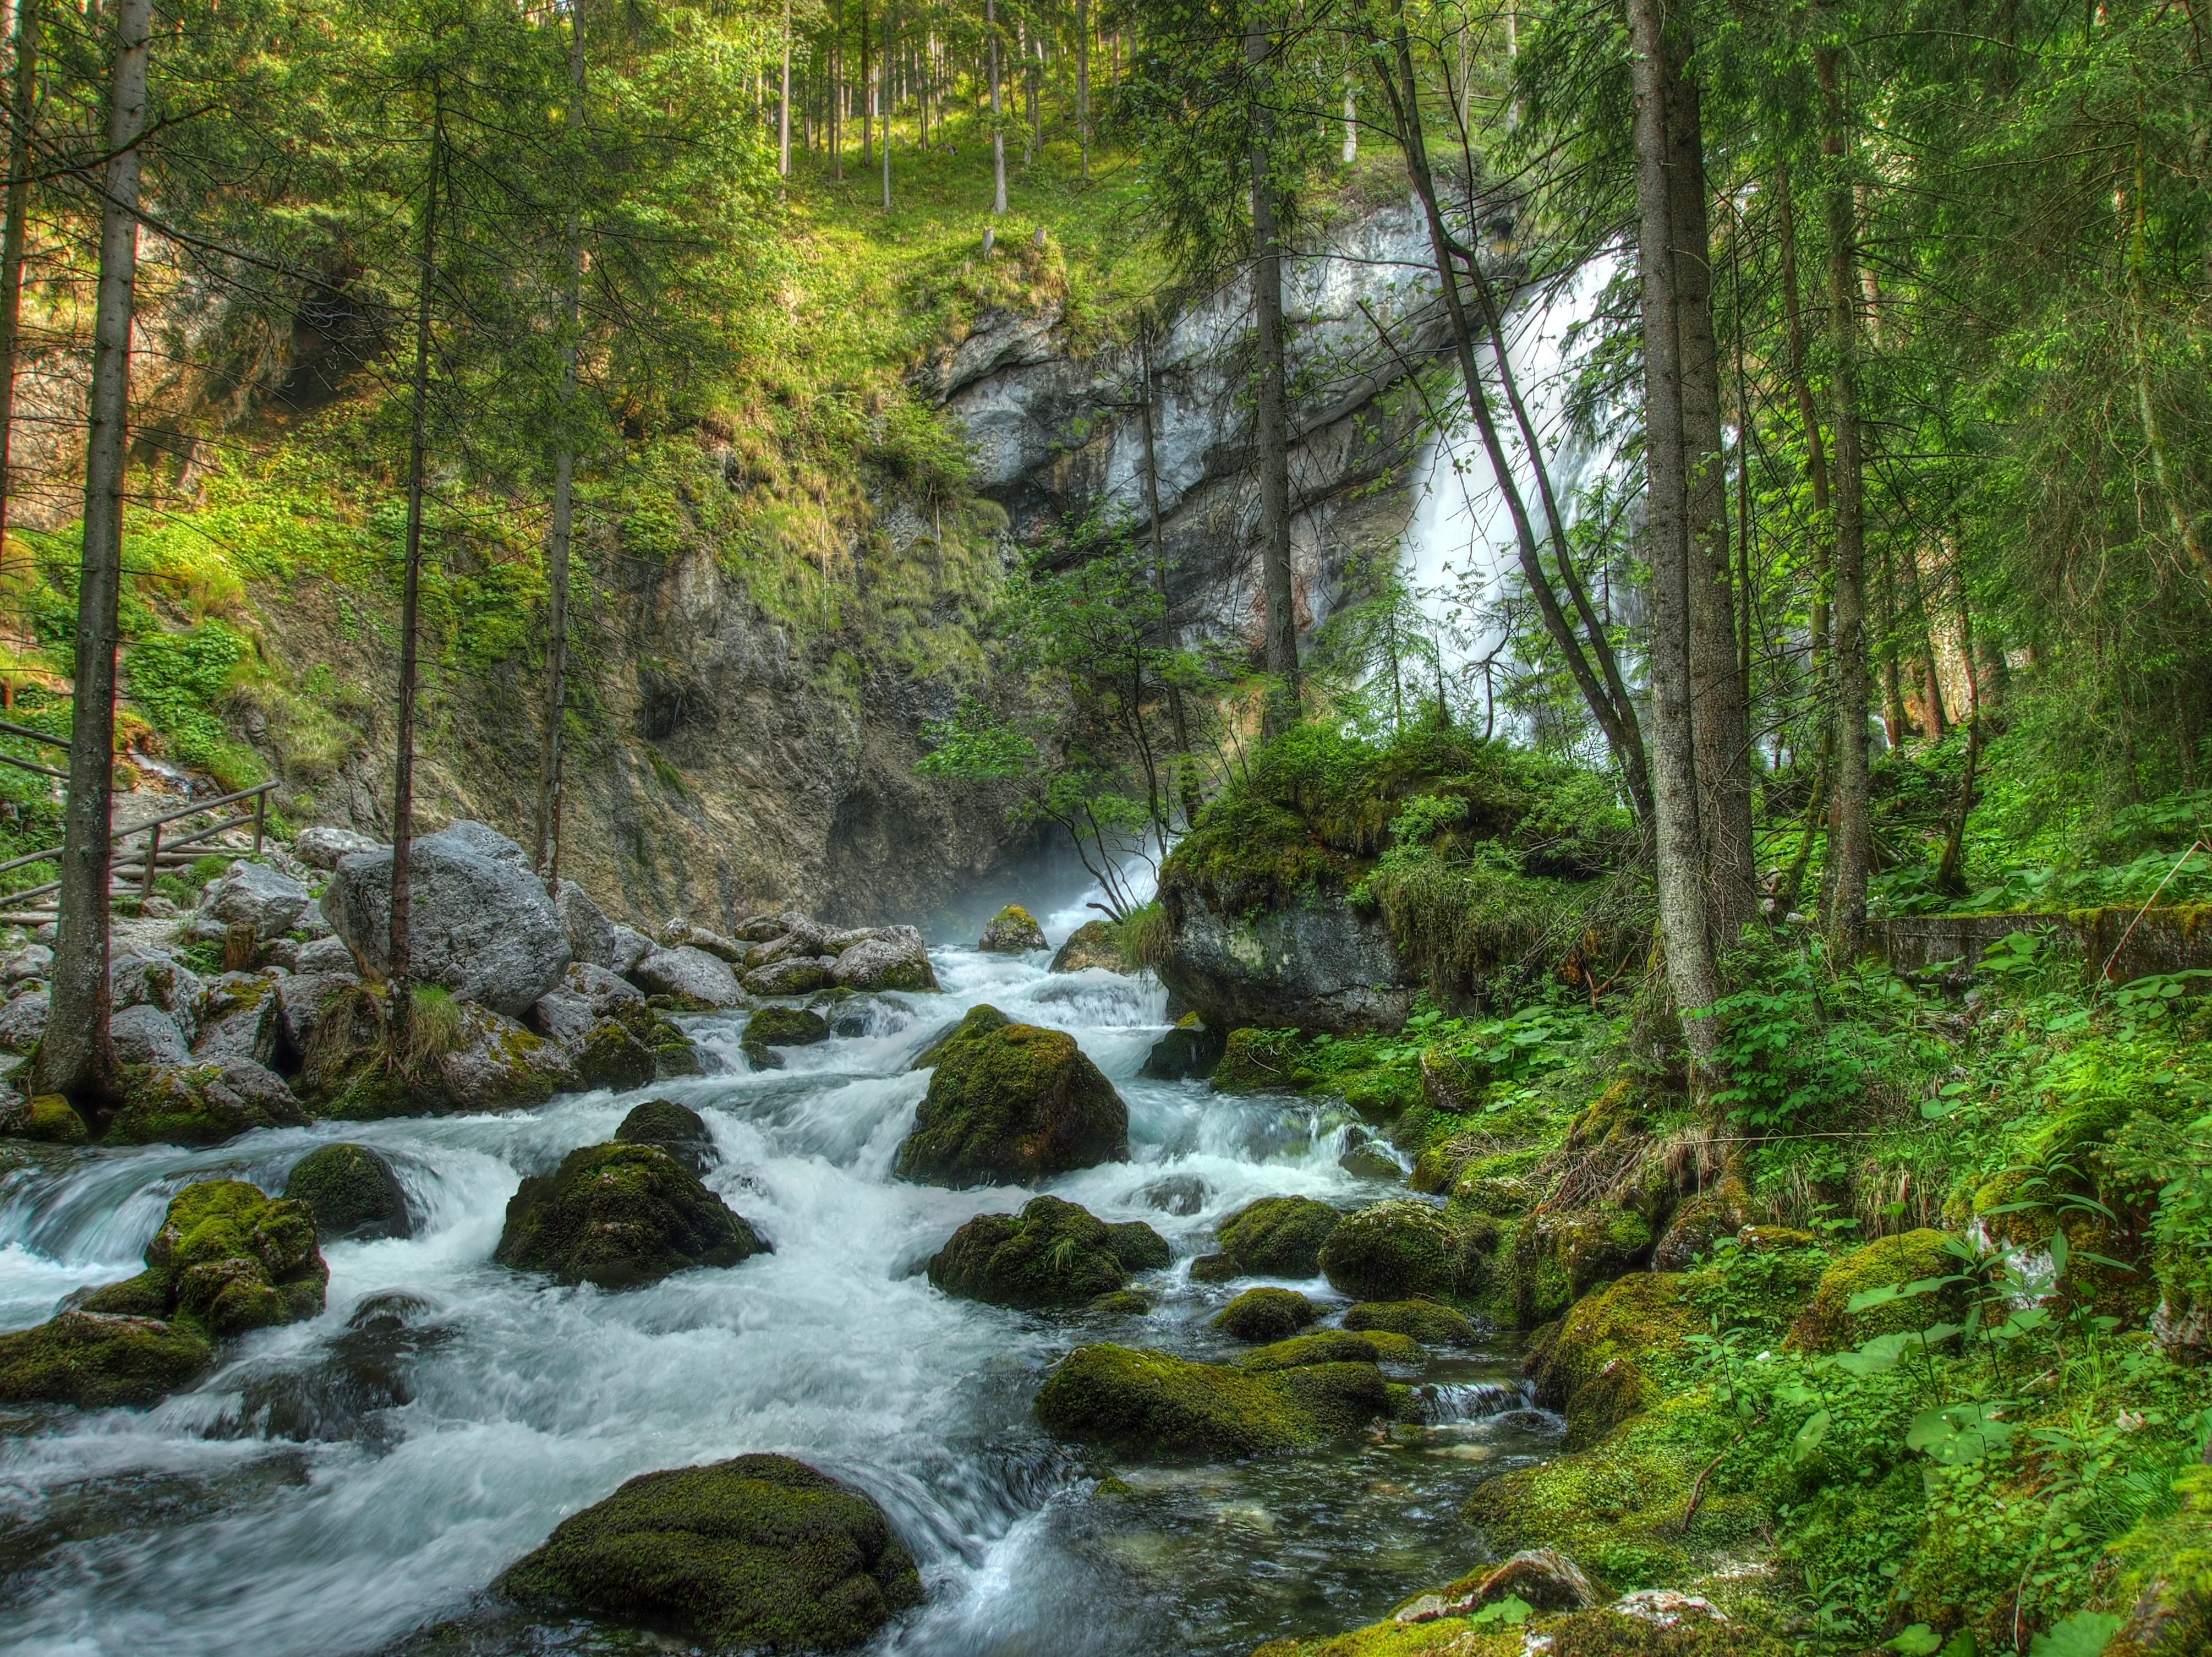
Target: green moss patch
1153 1403
1331 1346
1426 1321
1393 1251
352 1192
1053 1253
1828 1324
620 1216
1280 1236
1265 1314
1012 1106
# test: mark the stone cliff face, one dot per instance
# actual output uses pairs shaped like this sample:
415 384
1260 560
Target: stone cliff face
1056 438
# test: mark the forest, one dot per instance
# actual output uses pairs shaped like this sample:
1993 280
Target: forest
1563 652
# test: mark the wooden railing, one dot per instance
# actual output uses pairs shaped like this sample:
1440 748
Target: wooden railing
146 862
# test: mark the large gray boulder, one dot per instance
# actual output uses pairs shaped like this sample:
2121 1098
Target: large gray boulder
147 1035
300 1001
23 1020
321 848
252 894
591 935
238 1019
1316 964
794 975
585 996
889 958
155 981
482 924
690 977
328 954
630 947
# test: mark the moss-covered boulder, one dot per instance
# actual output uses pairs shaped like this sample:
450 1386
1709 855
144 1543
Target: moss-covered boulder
1393 1250
1215 1269
1141 1248
978 1020
44 1119
98 1361
677 1128
619 1216
1598 1365
1012 931
1424 1321
758 1552
352 1192
1559 1258
1187 1052
227 1259
613 1055
1265 1314
1331 1346
1829 1324
1092 944
1151 1404
1053 1253
202 1104
2164 1588
1699 1222
454 1057
1280 1236
1014 1105
784 1026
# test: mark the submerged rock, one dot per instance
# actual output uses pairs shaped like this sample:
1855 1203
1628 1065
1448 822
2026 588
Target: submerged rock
1265 1314
1092 944
1012 931
785 1026
98 1361
1012 1106
481 925
1053 1253
202 1104
1188 1051
620 1216
761 1551
1424 1321
677 1128
352 1192
1393 1251
1151 1404
1280 1236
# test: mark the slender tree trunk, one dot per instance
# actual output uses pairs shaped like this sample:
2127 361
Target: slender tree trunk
1609 703
866 92
888 43
2179 521
22 113
1272 424
783 104
401 1002
1745 589
1691 972
1083 83
1186 784
998 136
835 89
1719 727
1816 457
1851 844
74 1057
1350 151
548 858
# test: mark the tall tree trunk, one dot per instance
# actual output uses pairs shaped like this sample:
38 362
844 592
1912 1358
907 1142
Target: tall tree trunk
1719 727
835 89
783 104
1816 457
1896 723
548 856
1350 152
998 136
2179 521
1083 83
1693 973
401 1002
1850 842
23 112
1272 428
1187 792
1609 703
887 79
74 1057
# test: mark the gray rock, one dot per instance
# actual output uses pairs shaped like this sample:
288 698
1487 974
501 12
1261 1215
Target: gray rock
591 935
325 954
793 975
690 975
1012 931
23 1020
205 1103
300 1001
837 943
495 1065
482 926
156 981
32 961
254 894
321 848
805 938
682 935
602 989
250 1028
562 1016
761 928
147 1035
1319 965
631 947
890 958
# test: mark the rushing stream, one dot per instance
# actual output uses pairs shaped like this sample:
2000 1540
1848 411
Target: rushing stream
349 1484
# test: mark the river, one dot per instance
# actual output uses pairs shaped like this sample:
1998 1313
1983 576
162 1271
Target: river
353 1483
